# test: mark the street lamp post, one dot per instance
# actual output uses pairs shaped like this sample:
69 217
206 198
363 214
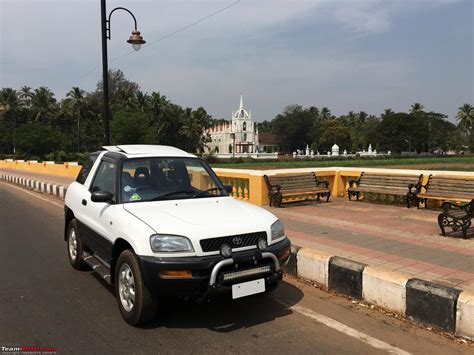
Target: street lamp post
135 40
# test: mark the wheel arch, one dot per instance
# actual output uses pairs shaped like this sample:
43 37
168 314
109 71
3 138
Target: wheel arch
119 246
68 217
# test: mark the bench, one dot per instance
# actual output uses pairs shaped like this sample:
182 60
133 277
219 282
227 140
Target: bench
447 188
389 184
456 217
284 186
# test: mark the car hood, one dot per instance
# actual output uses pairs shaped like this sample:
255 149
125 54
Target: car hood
202 217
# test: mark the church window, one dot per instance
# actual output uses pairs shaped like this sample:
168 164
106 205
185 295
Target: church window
245 136
245 126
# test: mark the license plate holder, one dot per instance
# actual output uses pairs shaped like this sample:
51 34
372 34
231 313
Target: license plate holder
248 288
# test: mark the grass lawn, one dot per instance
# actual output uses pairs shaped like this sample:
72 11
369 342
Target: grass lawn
465 163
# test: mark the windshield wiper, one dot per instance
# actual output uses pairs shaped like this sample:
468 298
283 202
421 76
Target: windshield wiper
206 191
157 198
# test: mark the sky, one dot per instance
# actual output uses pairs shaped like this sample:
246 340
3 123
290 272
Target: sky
343 54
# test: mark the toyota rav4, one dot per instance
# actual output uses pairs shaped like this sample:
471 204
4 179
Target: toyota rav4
155 220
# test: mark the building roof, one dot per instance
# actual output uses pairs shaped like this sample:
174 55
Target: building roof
148 150
268 138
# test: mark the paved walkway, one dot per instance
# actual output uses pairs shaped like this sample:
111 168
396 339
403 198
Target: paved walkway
385 236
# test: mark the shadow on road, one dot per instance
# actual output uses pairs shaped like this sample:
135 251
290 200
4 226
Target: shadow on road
226 315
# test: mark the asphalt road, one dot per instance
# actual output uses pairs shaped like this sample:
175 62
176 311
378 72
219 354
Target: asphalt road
44 302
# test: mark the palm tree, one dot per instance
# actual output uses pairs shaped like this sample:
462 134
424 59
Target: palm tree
141 101
362 116
76 96
387 112
416 108
325 114
465 117
10 104
25 95
43 103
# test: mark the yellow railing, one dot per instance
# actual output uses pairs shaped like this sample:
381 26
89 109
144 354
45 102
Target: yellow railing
247 185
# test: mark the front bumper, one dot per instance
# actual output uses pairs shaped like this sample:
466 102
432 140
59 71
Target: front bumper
213 274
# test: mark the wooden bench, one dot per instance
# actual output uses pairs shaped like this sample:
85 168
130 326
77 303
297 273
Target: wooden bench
447 188
284 186
389 184
456 217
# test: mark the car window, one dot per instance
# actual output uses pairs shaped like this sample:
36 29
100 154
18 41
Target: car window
148 179
104 180
86 169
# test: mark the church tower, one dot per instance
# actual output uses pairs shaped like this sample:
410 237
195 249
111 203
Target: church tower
246 138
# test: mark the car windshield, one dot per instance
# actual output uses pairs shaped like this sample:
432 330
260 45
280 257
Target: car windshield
154 179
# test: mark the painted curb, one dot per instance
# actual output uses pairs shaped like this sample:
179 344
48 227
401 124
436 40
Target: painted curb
345 276
385 289
465 315
43 187
314 265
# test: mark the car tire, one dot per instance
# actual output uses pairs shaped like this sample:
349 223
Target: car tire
75 248
135 301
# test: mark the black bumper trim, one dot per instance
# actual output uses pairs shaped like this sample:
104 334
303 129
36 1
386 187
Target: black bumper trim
200 266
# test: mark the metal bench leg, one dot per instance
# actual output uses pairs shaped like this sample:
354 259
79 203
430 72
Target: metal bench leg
329 195
442 221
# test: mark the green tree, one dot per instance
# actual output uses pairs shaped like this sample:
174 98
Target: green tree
465 117
43 104
128 128
35 140
77 106
416 108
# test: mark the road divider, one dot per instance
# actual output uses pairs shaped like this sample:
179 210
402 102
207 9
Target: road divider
440 306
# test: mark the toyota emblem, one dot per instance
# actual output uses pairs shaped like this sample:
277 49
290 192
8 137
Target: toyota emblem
237 240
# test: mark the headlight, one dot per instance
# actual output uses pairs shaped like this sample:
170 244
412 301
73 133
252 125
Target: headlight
164 243
278 230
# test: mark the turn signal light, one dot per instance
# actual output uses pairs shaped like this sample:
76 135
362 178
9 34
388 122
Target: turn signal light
176 274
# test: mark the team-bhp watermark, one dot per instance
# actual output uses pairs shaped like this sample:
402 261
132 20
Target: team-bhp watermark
29 349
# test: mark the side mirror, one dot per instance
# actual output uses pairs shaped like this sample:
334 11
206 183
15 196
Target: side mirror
228 188
101 196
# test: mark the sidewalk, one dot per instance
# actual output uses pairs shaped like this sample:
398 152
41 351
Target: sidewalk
388 237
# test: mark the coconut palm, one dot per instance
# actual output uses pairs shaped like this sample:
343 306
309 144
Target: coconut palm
76 96
25 95
387 112
325 114
9 100
416 108
43 104
465 117
141 101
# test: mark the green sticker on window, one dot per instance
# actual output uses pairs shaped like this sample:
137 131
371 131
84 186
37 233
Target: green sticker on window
135 197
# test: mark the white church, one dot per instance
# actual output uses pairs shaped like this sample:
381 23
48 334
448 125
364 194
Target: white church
239 136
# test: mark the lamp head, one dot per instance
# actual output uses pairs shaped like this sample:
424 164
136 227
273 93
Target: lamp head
136 40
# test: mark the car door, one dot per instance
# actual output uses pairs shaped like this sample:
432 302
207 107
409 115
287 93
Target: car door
97 217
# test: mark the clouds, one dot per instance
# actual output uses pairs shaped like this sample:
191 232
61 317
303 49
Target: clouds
348 54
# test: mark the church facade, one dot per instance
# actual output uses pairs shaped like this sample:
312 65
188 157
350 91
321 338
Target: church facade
239 136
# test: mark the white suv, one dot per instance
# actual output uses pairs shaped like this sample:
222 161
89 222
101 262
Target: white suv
155 220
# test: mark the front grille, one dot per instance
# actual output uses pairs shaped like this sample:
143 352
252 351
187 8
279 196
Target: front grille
234 241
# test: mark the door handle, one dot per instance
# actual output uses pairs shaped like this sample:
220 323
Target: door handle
84 202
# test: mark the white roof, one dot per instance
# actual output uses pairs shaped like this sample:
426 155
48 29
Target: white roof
148 150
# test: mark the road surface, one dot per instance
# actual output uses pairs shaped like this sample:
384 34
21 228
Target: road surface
44 302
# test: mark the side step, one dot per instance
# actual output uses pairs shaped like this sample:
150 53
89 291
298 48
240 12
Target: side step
96 265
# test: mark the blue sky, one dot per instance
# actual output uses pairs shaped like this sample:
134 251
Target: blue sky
344 54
